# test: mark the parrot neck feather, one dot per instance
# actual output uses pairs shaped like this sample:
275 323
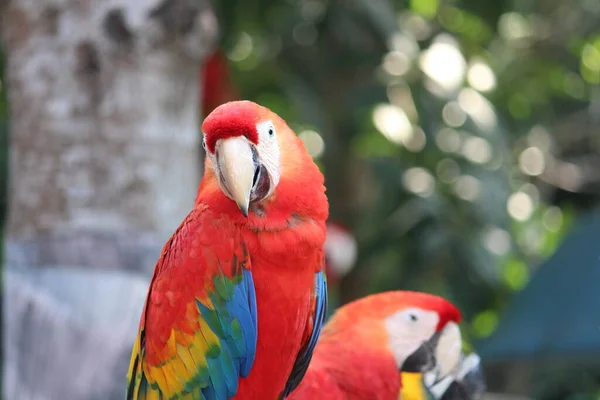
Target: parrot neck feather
361 371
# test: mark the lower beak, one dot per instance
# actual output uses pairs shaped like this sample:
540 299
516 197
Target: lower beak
236 165
440 353
467 384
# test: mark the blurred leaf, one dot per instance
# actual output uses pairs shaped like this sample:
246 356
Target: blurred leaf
485 323
426 8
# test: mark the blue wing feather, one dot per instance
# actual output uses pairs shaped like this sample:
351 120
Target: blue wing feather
306 352
201 359
248 322
234 320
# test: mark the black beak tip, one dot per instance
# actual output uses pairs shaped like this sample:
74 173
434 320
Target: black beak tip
244 211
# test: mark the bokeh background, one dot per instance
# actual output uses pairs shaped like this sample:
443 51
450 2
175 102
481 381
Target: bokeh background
460 141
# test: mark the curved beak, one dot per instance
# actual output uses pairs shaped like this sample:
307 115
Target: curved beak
468 383
237 164
441 353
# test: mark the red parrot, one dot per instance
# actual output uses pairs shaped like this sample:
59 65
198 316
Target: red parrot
238 296
368 342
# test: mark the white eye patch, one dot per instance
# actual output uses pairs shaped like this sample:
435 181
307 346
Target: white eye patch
268 151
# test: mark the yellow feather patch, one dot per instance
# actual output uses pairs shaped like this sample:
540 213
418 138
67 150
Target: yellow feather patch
134 355
190 363
157 375
197 354
181 370
210 338
171 346
412 387
153 395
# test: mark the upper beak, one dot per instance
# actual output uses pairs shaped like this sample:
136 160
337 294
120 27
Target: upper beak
440 353
236 165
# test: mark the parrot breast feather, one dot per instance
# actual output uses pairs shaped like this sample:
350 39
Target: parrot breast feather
314 331
198 330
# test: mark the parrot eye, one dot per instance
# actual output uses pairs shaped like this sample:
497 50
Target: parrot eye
271 131
413 317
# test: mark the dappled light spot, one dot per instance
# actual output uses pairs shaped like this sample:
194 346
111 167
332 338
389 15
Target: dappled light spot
396 63
467 187
314 143
532 161
496 240
496 162
447 170
481 77
552 219
590 62
453 115
516 274
514 26
540 138
478 107
392 122
485 323
415 25
419 181
569 176
243 48
417 141
590 57
448 140
477 150
404 44
426 8
400 96
444 64
532 191
520 206
452 18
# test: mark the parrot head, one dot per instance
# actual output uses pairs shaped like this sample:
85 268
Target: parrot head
419 331
251 152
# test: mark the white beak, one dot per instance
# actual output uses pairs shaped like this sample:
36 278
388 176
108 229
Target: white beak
236 165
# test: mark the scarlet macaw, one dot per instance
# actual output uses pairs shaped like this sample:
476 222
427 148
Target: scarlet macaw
238 296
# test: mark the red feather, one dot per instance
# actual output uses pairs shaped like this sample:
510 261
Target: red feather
351 365
236 118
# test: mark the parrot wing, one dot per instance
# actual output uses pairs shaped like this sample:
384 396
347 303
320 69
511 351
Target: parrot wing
314 330
198 329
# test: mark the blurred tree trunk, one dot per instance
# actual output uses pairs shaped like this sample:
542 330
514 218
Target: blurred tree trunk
103 166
